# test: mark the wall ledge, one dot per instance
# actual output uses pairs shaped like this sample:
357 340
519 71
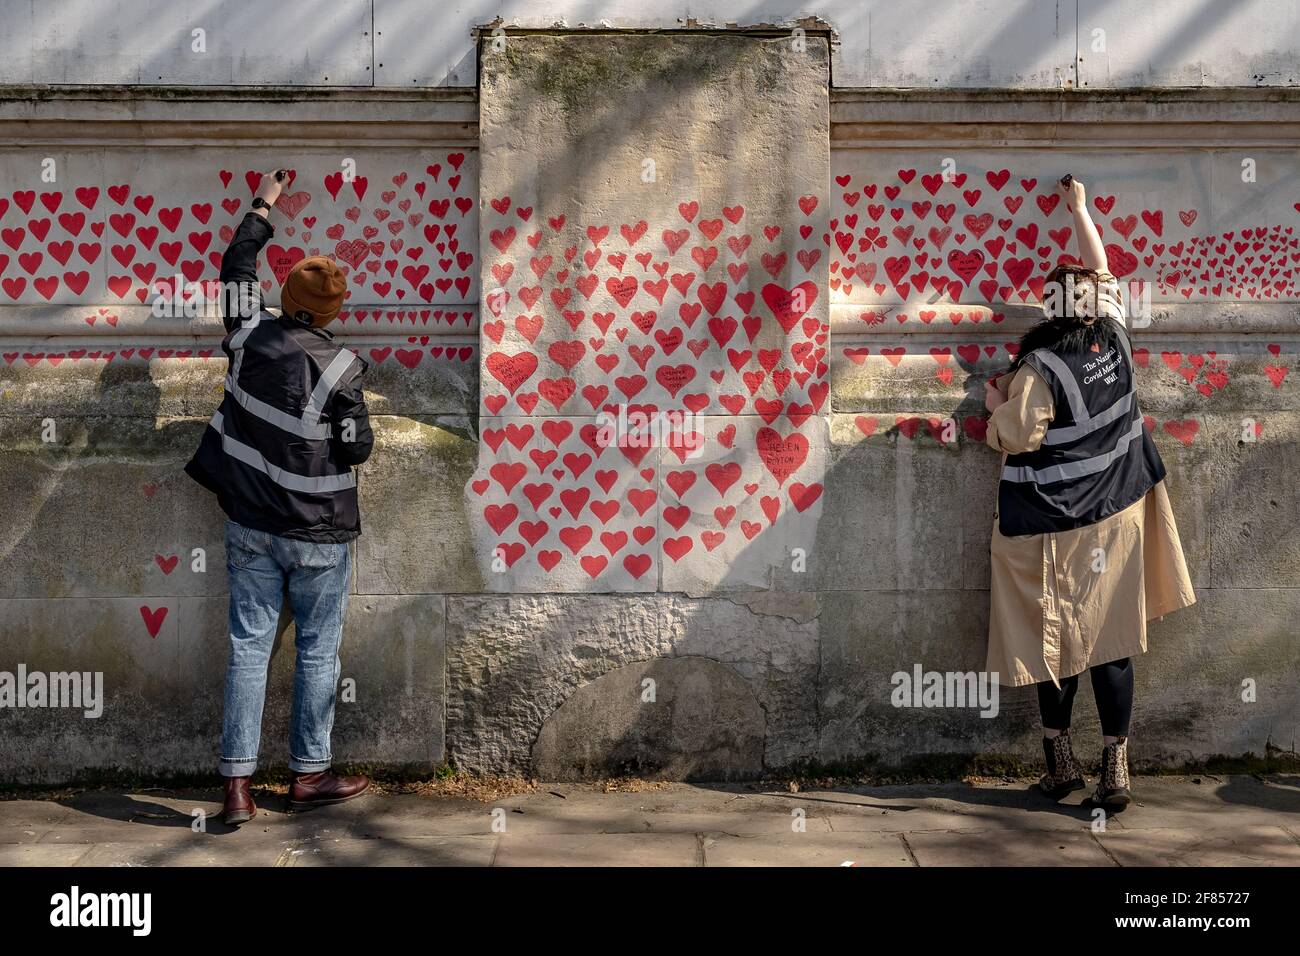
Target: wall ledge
1218 319
1096 119
184 116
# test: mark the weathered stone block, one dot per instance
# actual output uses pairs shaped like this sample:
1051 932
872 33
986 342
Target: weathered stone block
700 722
513 660
432 375
622 270
135 645
1189 685
159 378
868 637
163 665
893 492
1181 375
106 510
416 535
1255 508
392 652
1188 702
770 638
889 374
978 493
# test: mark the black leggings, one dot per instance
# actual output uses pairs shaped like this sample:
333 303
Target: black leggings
1112 685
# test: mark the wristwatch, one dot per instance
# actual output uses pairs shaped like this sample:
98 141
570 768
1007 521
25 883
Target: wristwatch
260 203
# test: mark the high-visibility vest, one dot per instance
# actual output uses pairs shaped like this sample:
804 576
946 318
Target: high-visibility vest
267 452
1097 456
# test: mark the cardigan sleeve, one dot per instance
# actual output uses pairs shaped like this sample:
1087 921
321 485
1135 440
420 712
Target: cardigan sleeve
1018 425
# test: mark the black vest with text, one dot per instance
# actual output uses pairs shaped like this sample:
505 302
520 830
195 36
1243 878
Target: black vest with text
1097 456
268 452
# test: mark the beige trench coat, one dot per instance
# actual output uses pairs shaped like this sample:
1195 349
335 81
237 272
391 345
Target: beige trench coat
1059 605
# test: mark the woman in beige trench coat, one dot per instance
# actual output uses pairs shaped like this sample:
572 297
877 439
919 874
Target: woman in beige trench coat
1084 549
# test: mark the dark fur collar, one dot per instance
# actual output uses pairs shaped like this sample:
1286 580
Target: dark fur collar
1067 336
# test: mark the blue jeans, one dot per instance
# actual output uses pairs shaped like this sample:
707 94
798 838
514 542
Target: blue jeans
263 567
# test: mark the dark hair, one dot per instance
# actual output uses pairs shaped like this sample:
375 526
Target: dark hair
1069 331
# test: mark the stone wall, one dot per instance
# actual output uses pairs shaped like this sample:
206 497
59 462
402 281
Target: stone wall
1205 217
113 558
792 268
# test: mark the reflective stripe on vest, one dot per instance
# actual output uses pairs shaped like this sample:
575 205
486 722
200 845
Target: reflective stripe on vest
250 456
308 425
1084 424
333 373
1076 469
268 413
1068 433
245 330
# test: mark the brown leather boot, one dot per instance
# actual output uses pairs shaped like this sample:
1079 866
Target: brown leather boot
322 788
239 807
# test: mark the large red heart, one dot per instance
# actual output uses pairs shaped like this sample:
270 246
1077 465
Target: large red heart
789 305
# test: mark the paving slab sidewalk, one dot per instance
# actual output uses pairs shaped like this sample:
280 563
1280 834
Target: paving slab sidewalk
1176 821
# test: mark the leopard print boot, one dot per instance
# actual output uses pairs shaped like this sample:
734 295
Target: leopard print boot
1113 787
1064 774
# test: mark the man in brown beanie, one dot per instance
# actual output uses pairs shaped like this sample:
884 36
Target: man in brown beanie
279 454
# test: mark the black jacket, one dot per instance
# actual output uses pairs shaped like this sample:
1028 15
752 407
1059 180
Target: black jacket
279 451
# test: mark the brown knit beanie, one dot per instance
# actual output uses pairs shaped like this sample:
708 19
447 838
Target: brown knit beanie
315 286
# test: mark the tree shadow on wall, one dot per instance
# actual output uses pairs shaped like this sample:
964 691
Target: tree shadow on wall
115 496
872 733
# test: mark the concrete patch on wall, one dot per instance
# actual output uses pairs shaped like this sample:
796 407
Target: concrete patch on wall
512 661
416 532
687 718
652 248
